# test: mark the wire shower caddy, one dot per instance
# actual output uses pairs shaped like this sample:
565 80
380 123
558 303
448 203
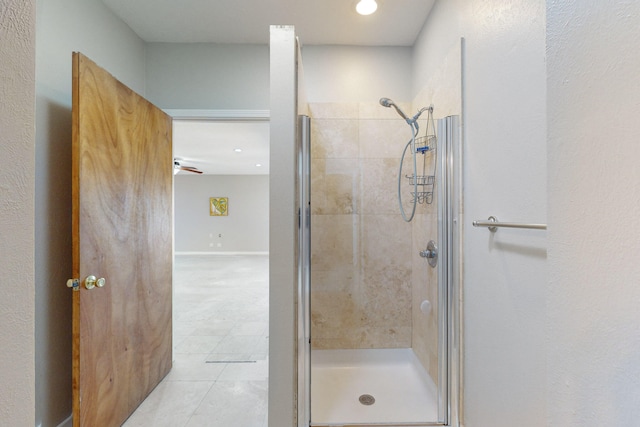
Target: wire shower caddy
424 183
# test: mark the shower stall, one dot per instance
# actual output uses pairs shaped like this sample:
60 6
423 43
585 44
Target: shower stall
378 267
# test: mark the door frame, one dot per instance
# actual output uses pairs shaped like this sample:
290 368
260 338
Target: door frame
219 115
450 238
208 115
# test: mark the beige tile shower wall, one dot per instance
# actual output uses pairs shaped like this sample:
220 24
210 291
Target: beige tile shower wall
424 227
424 334
361 258
444 91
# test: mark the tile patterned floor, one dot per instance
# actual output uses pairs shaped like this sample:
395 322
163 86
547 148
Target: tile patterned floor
219 376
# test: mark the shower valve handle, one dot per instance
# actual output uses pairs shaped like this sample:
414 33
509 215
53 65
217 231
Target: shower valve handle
431 253
428 254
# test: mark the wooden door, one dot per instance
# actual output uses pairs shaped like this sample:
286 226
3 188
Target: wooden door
122 232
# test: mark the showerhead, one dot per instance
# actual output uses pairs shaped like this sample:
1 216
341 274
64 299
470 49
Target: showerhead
386 102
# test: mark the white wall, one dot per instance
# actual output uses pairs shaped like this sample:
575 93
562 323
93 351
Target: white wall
17 112
552 343
357 73
593 327
64 26
504 175
282 227
219 76
440 33
590 302
245 229
208 76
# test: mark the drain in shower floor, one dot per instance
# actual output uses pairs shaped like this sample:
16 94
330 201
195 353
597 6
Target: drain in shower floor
367 399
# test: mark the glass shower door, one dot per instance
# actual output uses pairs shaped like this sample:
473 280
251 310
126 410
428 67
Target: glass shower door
356 301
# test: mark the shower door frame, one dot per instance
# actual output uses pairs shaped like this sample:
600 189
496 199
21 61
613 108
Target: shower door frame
449 196
303 302
449 193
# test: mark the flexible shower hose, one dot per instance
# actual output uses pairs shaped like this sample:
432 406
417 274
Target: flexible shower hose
411 143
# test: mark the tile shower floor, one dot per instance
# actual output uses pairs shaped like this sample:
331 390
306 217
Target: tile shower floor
402 390
219 376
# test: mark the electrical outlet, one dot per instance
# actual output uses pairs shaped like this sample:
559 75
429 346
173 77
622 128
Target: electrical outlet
219 245
210 245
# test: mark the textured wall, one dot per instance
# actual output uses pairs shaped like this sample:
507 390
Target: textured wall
594 199
360 246
504 156
440 34
17 112
64 26
505 273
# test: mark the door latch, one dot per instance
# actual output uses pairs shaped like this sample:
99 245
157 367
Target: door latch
89 283
73 284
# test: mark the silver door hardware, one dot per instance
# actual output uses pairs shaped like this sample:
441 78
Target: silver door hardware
431 253
73 284
90 282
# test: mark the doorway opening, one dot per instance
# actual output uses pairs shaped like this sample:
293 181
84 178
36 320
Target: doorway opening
221 284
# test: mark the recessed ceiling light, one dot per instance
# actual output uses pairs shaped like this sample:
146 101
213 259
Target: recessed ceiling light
366 7
258 165
238 150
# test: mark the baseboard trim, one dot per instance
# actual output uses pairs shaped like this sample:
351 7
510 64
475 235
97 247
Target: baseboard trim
67 423
221 253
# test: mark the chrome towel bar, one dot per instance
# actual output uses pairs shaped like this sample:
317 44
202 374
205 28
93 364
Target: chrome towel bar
492 224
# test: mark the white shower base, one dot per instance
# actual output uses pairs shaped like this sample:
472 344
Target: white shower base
403 391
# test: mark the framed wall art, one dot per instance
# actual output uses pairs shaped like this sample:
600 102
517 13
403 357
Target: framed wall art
219 206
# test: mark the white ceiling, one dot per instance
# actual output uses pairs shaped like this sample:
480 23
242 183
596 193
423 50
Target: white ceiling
208 145
317 22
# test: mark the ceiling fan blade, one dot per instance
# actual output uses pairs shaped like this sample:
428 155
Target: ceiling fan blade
190 169
179 167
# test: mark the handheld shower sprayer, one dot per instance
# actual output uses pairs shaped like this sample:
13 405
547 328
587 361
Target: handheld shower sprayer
416 179
386 102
